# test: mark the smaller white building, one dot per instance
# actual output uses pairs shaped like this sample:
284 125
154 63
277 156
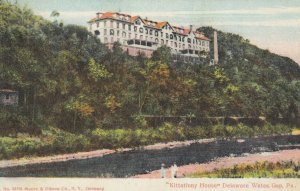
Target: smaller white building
138 35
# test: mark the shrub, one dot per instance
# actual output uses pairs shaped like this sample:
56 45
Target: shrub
140 121
283 169
54 140
13 147
12 122
67 142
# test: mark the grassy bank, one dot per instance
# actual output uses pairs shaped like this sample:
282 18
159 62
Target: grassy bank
55 141
284 169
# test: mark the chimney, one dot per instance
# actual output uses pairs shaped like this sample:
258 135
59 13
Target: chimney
191 28
98 15
216 53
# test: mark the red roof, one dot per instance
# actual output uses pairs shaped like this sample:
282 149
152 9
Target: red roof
132 19
149 23
203 38
107 15
161 25
186 31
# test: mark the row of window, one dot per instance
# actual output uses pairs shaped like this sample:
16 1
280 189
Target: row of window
162 42
149 31
181 39
144 43
141 37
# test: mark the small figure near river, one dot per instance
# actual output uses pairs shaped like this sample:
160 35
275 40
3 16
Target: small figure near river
174 170
162 171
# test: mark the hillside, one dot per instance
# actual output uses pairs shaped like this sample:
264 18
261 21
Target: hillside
235 49
76 93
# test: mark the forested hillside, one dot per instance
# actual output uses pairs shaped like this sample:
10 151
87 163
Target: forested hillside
70 83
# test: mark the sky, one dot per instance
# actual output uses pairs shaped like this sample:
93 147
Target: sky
269 24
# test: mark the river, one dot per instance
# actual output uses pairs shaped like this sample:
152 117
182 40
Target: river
129 163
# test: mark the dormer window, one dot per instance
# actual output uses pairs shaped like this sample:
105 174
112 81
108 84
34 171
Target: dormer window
138 22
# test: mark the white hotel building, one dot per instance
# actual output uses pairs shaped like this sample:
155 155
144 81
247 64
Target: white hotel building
138 35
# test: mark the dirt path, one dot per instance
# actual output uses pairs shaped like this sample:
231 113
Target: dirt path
227 162
92 154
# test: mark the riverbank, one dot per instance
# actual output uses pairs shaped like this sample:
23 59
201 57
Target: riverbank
54 141
96 153
130 162
229 162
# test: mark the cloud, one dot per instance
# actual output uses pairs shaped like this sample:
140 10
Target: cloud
258 11
271 23
70 14
179 15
